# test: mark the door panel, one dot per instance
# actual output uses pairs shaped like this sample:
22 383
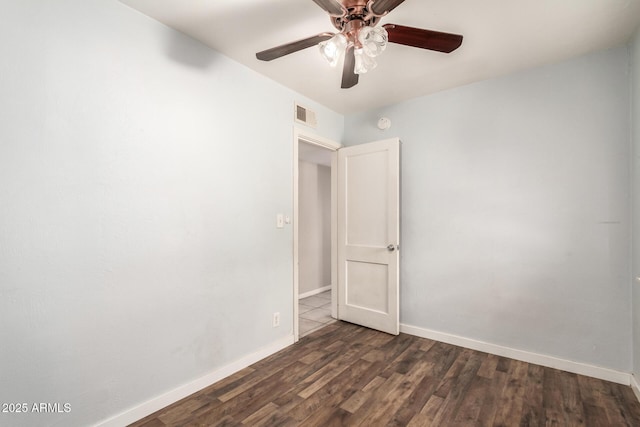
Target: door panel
366 192
368 234
375 297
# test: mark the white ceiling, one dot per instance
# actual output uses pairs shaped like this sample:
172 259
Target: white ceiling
500 36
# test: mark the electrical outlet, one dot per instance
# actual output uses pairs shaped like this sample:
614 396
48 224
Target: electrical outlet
276 319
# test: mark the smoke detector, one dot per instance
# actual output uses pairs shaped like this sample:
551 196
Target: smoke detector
384 123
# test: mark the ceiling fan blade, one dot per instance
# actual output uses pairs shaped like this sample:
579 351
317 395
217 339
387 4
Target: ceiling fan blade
424 39
286 49
349 77
380 7
332 7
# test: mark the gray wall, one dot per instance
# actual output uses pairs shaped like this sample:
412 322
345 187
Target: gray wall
635 118
515 209
314 226
138 246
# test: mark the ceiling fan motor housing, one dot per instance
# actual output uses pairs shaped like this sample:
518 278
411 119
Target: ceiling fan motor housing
355 11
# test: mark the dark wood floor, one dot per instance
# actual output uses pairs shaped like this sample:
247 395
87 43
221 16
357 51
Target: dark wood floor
346 375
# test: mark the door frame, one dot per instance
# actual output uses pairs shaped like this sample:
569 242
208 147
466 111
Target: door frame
302 135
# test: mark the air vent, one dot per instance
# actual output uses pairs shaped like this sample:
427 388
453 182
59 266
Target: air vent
305 116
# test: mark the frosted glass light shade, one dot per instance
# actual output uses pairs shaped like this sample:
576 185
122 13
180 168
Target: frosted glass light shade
364 62
333 49
374 40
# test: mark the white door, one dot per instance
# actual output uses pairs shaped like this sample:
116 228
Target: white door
369 234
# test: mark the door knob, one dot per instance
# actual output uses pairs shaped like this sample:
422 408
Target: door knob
391 247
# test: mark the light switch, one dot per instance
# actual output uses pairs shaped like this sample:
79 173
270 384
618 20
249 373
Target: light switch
280 221
287 219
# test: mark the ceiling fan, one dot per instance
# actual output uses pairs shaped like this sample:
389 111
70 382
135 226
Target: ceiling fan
359 40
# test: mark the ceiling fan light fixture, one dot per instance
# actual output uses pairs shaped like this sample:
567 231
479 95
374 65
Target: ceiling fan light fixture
364 62
333 49
374 40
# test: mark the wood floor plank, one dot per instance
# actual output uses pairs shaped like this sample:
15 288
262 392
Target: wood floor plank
278 419
242 405
153 422
373 402
407 360
627 402
347 375
254 399
375 355
387 407
426 344
473 399
233 378
491 402
182 412
373 384
616 412
363 391
333 393
503 364
331 370
593 402
571 399
449 380
532 414
264 412
488 367
470 362
512 397
428 413
246 385
416 400
421 381
329 417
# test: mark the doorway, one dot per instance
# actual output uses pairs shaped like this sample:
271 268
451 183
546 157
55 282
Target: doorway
364 213
315 295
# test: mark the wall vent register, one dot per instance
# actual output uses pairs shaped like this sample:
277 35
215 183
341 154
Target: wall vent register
305 116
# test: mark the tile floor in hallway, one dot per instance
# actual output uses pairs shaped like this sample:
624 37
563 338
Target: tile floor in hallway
314 313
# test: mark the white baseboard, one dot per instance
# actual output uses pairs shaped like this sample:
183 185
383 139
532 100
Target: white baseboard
157 403
524 356
635 386
314 292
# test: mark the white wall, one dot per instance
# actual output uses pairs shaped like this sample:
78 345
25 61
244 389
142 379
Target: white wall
138 247
314 226
515 209
635 120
